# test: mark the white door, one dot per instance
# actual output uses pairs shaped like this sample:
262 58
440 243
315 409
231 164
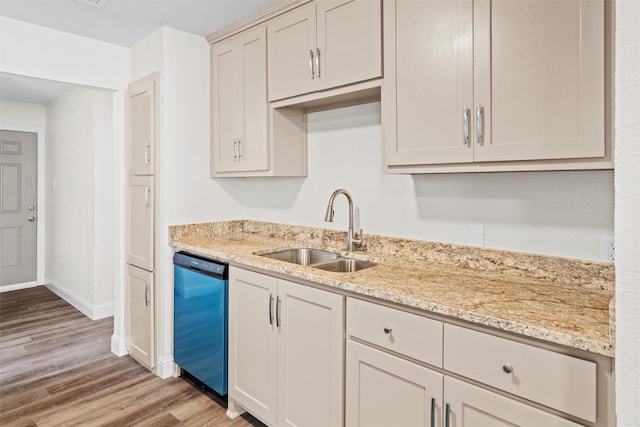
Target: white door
18 208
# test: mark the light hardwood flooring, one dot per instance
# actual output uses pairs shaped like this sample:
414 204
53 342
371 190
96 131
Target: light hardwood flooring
57 369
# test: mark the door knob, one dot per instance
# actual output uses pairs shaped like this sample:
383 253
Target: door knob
32 218
31 208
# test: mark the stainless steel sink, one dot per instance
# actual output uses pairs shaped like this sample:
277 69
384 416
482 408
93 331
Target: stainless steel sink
316 258
345 265
302 256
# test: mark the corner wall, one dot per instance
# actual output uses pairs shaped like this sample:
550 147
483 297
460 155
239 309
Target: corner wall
627 217
79 264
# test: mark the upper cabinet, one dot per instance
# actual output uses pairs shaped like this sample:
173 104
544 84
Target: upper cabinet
239 103
322 45
141 127
494 84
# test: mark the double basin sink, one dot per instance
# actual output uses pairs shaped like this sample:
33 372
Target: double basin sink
322 260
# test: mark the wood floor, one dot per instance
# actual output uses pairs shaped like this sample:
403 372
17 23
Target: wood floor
57 369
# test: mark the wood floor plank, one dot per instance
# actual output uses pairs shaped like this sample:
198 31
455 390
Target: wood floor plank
57 369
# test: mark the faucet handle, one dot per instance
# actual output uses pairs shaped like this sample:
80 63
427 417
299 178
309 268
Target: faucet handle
359 241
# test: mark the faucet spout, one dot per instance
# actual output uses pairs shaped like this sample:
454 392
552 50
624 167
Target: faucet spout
352 242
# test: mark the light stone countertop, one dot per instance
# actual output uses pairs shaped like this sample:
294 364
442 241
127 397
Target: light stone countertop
557 300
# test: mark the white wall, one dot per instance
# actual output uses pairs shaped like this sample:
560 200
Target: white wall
627 217
552 213
28 117
35 51
79 222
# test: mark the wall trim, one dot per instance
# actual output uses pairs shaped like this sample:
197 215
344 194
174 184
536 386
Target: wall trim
165 367
118 346
93 312
18 286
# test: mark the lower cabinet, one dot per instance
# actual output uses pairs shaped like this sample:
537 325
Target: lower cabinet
140 322
391 382
386 390
286 346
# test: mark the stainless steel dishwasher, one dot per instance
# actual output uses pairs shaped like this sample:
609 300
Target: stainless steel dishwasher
201 299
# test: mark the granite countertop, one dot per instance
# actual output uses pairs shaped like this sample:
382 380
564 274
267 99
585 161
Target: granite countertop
558 300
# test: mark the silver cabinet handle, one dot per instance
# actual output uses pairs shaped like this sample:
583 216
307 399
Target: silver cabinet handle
31 218
507 368
313 74
235 150
465 125
433 412
146 295
387 330
278 312
480 124
147 156
271 309
32 208
240 149
147 191
447 409
318 62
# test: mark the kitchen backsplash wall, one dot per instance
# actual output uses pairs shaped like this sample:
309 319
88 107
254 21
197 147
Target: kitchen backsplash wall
551 213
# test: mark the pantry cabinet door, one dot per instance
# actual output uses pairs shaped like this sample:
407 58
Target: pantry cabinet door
349 41
539 74
140 222
141 135
428 82
291 42
140 335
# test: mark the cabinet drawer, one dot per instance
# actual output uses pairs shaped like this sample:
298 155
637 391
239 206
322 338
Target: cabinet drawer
556 380
411 335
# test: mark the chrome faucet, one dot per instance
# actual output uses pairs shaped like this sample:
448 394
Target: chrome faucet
353 243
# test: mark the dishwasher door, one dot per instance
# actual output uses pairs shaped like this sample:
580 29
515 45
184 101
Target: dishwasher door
201 289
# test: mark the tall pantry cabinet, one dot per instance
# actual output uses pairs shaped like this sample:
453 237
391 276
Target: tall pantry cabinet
140 207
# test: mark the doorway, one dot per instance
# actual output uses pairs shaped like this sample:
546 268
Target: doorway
18 207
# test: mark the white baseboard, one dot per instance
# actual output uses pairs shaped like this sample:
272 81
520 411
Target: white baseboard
93 312
118 346
165 367
18 286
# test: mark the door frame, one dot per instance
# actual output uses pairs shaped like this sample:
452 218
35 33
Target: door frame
40 227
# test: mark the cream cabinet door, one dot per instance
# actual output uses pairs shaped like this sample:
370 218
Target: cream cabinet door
291 39
253 343
322 45
471 406
539 74
349 41
240 133
310 354
140 316
385 390
141 126
140 222
428 88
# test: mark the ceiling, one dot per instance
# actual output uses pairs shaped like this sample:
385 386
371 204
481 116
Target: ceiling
119 22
